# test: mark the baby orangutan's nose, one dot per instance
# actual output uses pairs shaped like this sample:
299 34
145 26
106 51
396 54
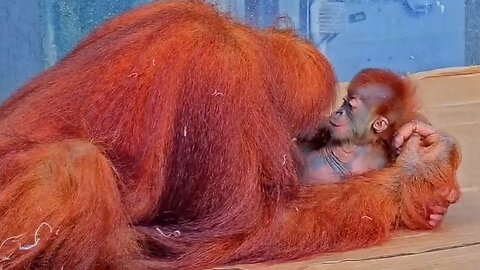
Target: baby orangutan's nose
336 116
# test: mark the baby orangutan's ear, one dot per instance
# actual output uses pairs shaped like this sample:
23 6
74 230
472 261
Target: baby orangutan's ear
380 124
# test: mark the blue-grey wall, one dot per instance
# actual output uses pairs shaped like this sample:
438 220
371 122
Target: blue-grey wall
393 35
34 34
21 49
403 35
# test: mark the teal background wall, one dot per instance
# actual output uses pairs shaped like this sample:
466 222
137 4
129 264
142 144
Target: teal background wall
34 34
403 35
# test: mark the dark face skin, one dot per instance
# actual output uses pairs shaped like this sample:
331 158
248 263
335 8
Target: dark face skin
356 120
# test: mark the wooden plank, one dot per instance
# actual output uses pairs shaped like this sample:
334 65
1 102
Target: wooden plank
457 242
455 258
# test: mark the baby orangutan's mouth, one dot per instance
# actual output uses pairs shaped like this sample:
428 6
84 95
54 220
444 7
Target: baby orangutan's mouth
334 124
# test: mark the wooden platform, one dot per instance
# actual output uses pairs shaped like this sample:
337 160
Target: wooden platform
452 102
456 245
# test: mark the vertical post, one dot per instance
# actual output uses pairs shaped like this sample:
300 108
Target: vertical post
309 3
251 12
472 32
68 24
49 44
303 20
239 8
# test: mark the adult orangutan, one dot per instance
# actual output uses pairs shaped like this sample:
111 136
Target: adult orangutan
164 141
358 136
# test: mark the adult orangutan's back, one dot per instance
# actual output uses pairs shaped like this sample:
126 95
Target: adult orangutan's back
165 141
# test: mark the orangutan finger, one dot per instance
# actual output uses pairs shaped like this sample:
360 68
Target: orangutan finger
403 133
413 143
411 127
424 130
438 209
436 217
433 223
453 196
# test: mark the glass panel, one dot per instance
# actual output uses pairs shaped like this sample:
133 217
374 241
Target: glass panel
403 35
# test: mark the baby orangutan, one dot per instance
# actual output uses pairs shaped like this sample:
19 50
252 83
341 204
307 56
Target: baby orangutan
358 136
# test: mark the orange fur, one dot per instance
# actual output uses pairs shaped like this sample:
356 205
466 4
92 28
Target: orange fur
164 141
404 102
403 105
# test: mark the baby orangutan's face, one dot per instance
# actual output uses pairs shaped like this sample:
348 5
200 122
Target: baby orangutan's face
356 120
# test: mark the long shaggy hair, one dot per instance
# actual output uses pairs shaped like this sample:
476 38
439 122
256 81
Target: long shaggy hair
164 140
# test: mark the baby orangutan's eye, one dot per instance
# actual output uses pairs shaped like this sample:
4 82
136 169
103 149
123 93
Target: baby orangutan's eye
347 103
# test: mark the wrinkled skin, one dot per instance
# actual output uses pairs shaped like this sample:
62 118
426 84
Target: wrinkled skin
356 120
420 142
